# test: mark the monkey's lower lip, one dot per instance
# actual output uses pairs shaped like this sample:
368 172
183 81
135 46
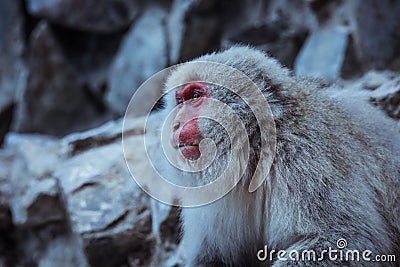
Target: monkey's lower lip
191 152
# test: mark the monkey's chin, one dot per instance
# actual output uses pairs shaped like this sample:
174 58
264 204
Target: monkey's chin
190 152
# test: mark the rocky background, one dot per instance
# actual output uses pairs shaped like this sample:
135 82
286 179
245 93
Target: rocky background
68 66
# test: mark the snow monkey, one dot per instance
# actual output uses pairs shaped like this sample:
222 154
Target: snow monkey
330 196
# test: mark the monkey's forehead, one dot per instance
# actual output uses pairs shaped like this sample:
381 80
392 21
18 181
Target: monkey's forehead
213 75
231 68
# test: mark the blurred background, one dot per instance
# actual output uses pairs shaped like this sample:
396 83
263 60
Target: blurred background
68 69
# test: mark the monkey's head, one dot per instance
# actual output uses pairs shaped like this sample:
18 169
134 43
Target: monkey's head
190 100
220 97
195 126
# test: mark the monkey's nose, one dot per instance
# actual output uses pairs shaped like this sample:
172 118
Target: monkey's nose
176 126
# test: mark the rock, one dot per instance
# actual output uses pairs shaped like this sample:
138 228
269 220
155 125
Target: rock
12 69
142 54
73 202
248 13
84 177
325 11
387 97
109 132
193 29
369 26
8 253
37 206
105 134
97 16
322 54
90 55
53 102
376 32
6 191
105 205
6 116
53 245
297 14
277 27
352 67
370 81
372 25
64 251
283 44
374 79
36 200
168 240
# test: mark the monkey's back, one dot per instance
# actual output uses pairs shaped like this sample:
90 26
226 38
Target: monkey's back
326 160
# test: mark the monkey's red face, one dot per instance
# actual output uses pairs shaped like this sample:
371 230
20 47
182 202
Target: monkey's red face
190 100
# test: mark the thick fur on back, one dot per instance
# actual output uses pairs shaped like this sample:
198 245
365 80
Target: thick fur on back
330 178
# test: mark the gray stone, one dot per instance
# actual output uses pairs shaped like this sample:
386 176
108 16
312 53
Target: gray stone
35 200
298 14
193 29
73 207
277 27
387 97
275 39
12 69
64 251
7 159
248 14
376 32
84 177
41 227
8 253
322 54
373 29
143 53
53 102
374 79
90 55
50 245
105 134
105 205
89 15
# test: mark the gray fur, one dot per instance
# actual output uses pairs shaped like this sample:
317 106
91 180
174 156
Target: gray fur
330 178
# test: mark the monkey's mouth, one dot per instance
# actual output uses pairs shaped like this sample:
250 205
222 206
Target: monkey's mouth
190 151
185 145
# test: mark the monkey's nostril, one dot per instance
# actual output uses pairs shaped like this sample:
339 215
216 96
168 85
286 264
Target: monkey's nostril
175 126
